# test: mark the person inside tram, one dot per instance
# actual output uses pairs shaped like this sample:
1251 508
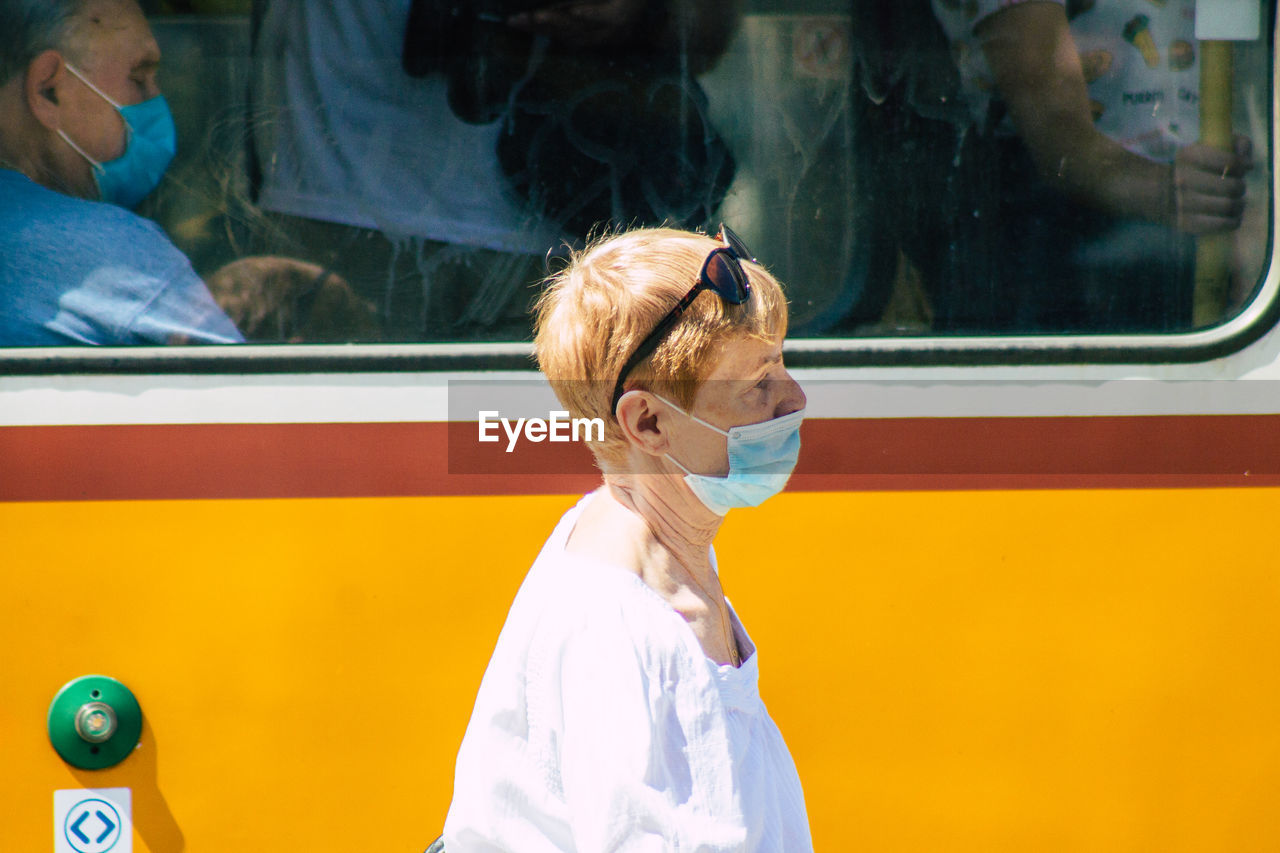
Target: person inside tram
84 135
275 299
621 708
1074 181
1103 183
425 151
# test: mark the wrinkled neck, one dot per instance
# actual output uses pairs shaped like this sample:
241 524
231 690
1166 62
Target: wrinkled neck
673 519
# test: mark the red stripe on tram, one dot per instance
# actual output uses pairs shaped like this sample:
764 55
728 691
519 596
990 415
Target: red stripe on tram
209 461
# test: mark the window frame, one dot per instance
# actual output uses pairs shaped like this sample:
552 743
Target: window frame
1254 322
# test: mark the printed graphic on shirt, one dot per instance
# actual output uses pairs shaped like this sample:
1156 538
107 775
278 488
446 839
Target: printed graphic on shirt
1139 60
1095 63
1138 33
1182 55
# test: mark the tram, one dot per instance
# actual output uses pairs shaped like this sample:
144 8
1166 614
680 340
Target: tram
1019 594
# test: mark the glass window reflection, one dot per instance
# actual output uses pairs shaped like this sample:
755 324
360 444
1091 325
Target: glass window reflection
409 170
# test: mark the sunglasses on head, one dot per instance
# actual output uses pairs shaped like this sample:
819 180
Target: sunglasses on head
721 272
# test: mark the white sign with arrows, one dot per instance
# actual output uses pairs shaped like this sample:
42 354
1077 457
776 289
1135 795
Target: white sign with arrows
93 820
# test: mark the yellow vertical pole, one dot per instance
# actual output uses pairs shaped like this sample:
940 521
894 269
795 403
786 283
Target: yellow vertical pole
1213 251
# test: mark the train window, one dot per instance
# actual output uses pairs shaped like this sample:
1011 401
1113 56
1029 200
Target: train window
405 171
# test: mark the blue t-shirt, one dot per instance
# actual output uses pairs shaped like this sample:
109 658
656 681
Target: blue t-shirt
83 272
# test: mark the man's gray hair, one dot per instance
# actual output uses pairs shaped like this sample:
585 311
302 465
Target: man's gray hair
30 27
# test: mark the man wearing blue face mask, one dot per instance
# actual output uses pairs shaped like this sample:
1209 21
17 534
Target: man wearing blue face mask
84 135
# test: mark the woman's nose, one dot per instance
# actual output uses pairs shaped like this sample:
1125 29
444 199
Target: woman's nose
793 398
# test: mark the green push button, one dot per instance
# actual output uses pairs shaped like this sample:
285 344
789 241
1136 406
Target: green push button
94 722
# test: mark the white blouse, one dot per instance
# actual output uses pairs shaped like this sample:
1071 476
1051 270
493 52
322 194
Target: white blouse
601 725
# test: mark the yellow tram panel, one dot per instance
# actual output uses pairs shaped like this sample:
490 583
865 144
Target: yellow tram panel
1067 670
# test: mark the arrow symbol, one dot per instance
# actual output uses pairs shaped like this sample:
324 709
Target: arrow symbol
110 826
75 827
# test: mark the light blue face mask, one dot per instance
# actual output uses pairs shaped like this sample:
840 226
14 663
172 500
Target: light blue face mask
761 459
151 142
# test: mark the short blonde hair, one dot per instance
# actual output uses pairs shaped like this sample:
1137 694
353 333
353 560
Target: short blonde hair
596 311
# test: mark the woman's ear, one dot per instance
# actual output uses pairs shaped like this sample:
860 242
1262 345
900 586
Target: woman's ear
643 423
44 75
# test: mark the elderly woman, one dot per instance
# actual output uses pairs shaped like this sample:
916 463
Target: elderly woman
620 709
